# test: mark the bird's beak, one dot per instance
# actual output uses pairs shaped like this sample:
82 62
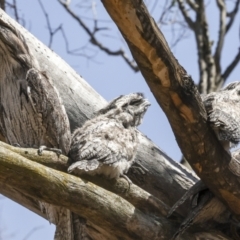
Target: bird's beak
146 103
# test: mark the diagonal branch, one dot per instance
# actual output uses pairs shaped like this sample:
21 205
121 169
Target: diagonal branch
232 15
102 208
177 95
231 66
222 30
193 5
187 18
50 30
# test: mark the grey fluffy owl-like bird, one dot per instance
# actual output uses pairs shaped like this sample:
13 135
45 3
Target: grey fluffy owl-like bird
223 114
223 111
107 144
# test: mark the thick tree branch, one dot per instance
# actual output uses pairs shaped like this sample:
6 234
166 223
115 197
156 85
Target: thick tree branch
175 92
135 195
103 208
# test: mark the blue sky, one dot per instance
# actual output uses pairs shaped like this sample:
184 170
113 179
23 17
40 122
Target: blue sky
111 77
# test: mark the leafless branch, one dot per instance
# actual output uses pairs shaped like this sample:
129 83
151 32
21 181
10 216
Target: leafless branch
94 40
232 15
231 66
31 232
205 59
14 7
2 4
181 34
154 6
50 30
221 36
165 10
193 5
187 18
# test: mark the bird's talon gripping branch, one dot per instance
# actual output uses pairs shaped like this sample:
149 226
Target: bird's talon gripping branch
44 148
127 179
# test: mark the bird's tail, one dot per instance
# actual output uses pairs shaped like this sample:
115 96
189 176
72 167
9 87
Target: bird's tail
84 165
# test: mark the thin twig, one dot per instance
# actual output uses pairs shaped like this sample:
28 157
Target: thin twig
231 66
50 30
187 18
232 15
221 36
97 43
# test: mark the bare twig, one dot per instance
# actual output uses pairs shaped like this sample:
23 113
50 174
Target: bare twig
15 9
187 18
193 5
50 30
32 231
231 66
232 15
94 40
221 36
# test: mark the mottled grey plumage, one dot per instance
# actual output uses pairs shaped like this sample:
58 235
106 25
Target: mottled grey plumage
223 110
31 111
107 144
223 113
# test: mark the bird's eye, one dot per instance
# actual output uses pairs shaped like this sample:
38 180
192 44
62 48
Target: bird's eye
135 102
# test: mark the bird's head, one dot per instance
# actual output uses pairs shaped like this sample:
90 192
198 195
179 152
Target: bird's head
233 90
129 109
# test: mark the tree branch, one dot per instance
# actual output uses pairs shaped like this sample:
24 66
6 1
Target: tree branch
103 208
135 195
2 4
232 65
176 93
221 37
94 40
193 5
204 44
232 15
184 12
